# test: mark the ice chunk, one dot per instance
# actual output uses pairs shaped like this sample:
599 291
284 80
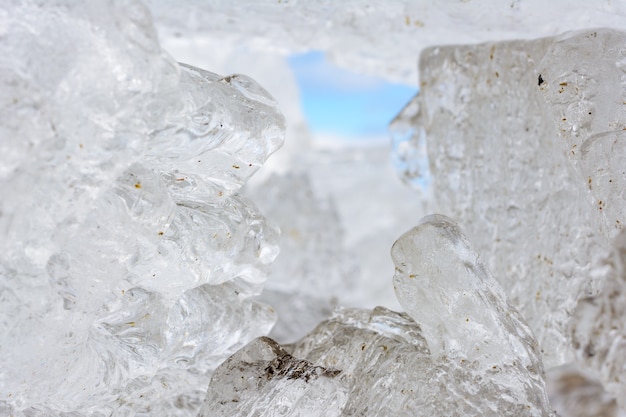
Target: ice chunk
442 283
461 350
128 260
525 147
383 367
264 380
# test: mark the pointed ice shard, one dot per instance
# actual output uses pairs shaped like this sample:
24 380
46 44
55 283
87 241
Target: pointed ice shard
444 286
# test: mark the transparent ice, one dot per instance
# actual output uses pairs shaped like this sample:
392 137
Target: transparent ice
128 258
523 142
130 262
462 349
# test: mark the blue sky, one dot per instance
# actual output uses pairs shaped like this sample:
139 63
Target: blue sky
339 102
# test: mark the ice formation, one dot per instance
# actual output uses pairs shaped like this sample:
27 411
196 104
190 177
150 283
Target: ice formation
264 380
462 349
522 142
540 187
383 39
442 283
128 258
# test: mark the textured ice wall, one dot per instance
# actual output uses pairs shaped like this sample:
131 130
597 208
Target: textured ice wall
524 142
128 259
382 39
